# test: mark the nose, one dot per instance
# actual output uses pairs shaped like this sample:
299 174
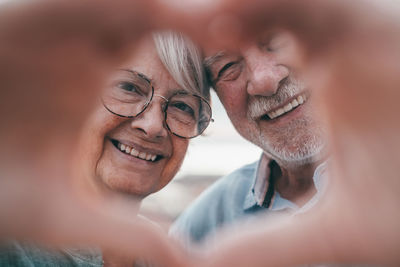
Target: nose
151 122
265 72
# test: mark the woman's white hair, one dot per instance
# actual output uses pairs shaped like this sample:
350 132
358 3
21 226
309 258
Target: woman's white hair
183 60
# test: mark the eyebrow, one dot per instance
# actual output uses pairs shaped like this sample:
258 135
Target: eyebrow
175 91
183 91
211 60
140 74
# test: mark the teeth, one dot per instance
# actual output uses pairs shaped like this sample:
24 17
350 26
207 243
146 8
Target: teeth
135 153
280 112
271 114
287 107
296 102
300 100
142 155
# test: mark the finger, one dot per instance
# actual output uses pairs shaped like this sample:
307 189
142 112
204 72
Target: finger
56 217
278 243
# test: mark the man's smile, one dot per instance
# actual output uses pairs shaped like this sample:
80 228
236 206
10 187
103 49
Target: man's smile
285 108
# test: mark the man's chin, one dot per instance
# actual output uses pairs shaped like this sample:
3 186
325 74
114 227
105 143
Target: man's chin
298 162
301 158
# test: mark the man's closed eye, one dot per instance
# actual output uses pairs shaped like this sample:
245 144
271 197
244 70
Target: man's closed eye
230 72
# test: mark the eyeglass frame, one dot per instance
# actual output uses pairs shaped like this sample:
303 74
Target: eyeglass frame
165 108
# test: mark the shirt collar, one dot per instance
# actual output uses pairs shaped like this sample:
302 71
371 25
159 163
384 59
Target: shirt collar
256 197
260 184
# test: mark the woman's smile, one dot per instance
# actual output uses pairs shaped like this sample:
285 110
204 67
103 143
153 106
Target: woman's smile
131 146
137 151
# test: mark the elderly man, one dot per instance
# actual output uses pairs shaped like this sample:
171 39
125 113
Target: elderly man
271 108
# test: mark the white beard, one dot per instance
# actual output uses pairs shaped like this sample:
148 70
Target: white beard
299 142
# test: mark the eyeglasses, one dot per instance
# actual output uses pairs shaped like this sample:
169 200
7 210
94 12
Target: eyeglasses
129 94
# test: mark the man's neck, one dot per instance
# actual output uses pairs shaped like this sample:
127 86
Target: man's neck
295 183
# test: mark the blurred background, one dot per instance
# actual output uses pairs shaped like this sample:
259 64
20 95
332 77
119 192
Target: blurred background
218 152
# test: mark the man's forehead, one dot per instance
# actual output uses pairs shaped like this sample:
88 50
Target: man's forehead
212 56
210 60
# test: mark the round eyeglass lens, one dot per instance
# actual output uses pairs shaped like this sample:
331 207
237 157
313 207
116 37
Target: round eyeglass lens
128 93
187 115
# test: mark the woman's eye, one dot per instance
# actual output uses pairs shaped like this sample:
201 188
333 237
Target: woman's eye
229 72
184 107
129 87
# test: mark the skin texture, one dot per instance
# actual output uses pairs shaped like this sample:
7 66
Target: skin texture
112 172
257 75
352 70
337 64
256 80
51 74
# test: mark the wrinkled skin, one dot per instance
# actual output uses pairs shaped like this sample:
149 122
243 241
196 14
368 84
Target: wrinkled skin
349 54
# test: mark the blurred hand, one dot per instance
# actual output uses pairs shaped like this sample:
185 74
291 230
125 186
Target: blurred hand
54 57
348 52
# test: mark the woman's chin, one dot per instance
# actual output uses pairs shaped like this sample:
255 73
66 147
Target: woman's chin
130 186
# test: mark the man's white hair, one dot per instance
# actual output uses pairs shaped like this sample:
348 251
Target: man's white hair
183 60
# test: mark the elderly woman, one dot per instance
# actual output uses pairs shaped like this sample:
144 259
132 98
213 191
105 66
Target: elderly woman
136 138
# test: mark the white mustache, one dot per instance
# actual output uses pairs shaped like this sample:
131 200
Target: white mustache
260 105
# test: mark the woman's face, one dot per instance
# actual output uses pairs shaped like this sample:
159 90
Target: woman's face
113 170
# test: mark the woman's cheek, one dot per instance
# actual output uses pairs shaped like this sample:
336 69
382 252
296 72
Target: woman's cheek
180 146
93 139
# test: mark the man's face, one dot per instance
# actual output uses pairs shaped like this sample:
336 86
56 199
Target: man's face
265 102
